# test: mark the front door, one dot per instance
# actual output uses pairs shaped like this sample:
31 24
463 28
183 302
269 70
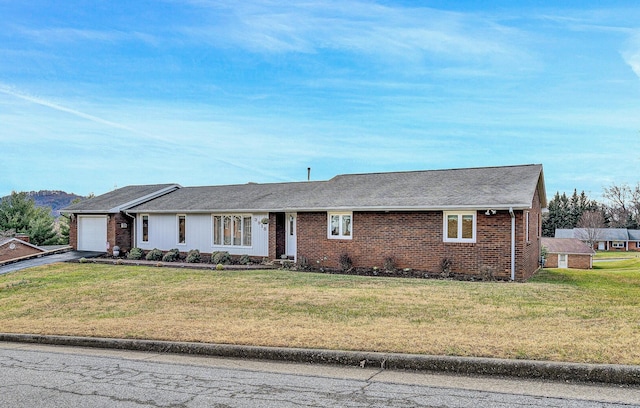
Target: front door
562 260
291 220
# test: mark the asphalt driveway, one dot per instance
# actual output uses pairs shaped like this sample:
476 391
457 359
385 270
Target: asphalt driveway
48 259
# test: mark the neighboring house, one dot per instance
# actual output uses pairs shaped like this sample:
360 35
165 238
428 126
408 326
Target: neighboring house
607 239
567 253
481 219
12 249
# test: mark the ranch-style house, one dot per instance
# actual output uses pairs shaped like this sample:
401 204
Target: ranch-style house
479 219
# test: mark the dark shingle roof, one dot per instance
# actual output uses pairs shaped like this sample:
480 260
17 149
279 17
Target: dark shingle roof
120 199
566 246
488 187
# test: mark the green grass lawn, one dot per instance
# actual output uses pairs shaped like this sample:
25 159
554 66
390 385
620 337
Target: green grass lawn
616 254
561 315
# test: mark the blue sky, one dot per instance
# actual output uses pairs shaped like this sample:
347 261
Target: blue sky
98 94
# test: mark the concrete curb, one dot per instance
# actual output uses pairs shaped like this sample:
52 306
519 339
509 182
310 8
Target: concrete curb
525 369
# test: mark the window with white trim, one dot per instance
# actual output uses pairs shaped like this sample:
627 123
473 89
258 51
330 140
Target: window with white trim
617 244
459 226
527 226
145 228
232 230
340 225
182 229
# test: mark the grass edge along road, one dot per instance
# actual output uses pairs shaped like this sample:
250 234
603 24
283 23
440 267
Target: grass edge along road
560 315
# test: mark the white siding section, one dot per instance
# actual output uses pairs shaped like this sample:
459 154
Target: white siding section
163 234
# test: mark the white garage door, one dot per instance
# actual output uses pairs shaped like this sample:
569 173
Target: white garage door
92 233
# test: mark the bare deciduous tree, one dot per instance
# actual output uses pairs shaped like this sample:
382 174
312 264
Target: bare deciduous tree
591 224
623 208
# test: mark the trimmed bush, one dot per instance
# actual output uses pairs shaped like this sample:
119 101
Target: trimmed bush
154 255
221 257
193 256
244 260
171 256
135 254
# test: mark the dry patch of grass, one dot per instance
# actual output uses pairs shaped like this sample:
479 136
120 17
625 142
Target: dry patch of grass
562 315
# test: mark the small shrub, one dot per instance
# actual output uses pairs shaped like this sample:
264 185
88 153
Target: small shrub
487 273
221 257
244 260
171 256
135 254
193 256
83 260
159 264
219 267
389 263
303 263
154 255
345 262
286 264
445 267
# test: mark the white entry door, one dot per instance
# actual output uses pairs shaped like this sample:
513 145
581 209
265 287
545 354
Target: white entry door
562 261
92 233
291 220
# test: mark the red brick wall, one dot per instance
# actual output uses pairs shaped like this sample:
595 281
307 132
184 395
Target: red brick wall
116 235
73 231
528 250
573 261
551 261
20 250
415 240
579 261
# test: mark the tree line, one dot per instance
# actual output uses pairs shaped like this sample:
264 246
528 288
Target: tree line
620 209
20 215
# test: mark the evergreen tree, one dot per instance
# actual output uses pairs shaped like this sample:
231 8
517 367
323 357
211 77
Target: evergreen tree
565 212
19 213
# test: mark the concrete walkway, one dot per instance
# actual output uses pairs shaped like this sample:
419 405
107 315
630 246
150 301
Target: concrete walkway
47 259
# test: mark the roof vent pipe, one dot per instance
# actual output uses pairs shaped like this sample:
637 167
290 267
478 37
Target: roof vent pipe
513 244
308 173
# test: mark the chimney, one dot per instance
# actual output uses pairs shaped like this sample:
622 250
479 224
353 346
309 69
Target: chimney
22 237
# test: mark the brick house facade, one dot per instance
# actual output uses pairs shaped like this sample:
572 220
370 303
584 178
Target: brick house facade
482 220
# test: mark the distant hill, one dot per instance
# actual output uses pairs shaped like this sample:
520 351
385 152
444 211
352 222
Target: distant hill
56 200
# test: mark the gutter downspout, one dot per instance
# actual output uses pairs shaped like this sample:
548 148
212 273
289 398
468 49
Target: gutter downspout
513 244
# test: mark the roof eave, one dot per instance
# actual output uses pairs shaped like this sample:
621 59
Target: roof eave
484 207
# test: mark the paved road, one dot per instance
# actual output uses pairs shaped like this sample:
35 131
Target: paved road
54 376
47 259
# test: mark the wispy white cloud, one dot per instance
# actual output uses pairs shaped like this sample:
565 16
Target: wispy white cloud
46 103
383 31
632 54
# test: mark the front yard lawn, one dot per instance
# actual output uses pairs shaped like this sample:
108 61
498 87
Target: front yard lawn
562 315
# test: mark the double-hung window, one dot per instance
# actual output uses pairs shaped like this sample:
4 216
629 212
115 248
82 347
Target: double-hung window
232 230
459 226
340 225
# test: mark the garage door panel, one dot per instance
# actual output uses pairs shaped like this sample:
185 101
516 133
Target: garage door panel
92 233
